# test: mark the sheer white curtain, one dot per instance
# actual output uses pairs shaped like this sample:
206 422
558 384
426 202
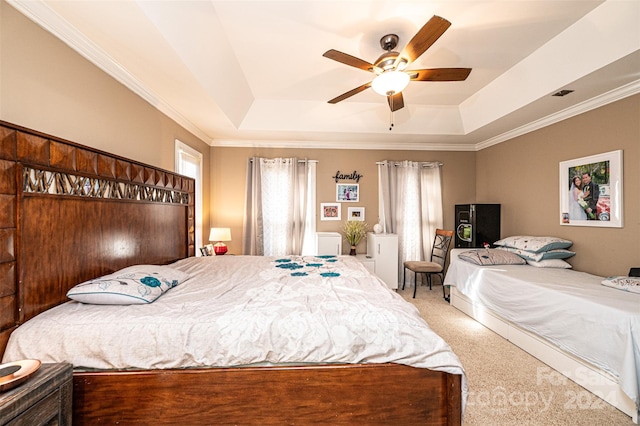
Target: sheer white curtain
410 198
279 194
309 238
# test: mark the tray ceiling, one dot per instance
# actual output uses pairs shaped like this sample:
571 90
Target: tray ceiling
251 73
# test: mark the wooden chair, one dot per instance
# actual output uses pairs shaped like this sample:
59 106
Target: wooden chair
435 266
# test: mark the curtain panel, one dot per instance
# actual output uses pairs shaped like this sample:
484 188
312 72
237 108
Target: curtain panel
410 205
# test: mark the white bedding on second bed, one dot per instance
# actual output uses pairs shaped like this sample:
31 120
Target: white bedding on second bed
571 309
240 310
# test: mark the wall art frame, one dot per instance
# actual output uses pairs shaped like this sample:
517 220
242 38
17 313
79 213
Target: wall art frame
355 213
206 250
591 190
348 192
330 211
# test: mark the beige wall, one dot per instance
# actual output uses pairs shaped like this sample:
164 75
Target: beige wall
48 87
522 174
229 169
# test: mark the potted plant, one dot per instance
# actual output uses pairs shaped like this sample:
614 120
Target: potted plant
354 232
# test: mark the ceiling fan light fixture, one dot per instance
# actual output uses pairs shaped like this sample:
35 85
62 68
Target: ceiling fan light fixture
390 82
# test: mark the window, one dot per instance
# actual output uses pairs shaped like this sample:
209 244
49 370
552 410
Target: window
280 209
189 163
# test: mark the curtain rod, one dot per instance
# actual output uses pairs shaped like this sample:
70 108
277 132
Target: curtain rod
299 161
423 164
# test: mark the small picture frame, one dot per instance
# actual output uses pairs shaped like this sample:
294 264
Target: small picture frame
330 211
207 250
355 213
348 192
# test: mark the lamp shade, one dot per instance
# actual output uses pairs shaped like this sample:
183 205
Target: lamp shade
390 82
220 234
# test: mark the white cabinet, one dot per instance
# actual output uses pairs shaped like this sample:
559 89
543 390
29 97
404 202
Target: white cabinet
383 249
328 243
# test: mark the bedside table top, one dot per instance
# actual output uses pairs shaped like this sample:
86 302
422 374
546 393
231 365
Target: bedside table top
48 378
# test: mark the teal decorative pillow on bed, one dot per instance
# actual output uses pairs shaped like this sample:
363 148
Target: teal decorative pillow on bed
534 244
133 285
537 257
491 257
630 284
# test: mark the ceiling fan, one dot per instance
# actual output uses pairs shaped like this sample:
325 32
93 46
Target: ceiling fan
390 68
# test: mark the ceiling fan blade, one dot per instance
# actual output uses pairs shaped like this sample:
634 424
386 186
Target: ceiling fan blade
395 101
349 60
350 93
428 34
439 74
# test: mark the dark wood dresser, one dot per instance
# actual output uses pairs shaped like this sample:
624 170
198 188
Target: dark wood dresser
44 399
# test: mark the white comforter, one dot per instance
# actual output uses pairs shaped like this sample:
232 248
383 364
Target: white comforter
598 324
240 310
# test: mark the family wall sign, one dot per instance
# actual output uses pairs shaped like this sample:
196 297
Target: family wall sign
343 176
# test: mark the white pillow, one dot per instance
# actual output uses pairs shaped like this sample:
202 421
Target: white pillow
631 284
138 284
550 263
534 244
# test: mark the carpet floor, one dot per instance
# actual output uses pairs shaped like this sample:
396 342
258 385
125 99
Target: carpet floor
507 386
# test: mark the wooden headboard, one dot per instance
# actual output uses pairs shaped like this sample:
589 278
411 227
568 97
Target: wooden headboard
69 213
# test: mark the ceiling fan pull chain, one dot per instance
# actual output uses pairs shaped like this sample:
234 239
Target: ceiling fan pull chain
391 114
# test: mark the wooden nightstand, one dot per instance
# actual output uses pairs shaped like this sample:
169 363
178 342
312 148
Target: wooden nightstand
44 399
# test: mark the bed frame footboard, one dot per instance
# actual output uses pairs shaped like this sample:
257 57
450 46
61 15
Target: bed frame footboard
373 394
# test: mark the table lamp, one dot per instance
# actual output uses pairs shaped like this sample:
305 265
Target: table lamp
220 235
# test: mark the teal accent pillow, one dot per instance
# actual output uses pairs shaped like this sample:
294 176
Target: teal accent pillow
534 244
537 257
138 284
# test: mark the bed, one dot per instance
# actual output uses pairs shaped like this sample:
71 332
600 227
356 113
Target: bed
75 213
567 319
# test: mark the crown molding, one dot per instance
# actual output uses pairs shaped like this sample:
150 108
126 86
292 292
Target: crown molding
49 20
386 146
588 105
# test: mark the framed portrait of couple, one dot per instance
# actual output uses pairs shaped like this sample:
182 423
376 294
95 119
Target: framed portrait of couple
591 190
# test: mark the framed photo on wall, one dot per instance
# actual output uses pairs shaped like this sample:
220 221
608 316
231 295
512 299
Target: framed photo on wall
591 190
330 211
355 213
348 192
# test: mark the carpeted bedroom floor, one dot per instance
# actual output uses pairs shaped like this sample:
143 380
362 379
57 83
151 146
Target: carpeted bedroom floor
507 386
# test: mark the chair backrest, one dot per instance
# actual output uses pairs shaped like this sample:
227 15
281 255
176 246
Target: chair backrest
441 244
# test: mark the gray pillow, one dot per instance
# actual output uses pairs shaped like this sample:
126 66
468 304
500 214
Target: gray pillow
491 257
